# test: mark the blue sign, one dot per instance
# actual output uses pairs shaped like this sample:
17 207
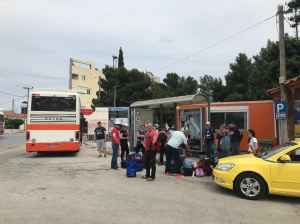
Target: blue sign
280 110
297 113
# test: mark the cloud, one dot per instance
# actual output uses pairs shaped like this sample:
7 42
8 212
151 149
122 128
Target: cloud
39 37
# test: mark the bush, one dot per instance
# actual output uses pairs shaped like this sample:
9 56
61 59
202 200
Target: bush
13 122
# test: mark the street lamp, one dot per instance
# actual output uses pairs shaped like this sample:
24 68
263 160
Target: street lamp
209 97
114 58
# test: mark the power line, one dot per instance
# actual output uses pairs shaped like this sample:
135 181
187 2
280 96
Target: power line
12 79
44 77
3 103
10 94
215 44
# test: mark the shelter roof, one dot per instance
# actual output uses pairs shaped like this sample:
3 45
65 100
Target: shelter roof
169 102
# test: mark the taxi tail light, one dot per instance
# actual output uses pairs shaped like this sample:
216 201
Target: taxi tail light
77 136
27 135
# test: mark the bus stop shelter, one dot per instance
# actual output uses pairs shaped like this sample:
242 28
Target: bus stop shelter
173 102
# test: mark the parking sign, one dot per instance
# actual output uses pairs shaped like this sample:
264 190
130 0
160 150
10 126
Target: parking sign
280 110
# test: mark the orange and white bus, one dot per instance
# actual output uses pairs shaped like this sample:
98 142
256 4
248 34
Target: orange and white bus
53 121
2 122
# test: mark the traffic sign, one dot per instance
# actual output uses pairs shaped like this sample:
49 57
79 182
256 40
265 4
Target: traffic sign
280 110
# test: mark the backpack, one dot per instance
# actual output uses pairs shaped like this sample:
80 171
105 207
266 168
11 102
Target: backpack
240 136
199 172
162 138
225 143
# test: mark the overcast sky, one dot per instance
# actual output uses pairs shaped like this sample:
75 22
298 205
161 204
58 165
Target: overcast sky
38 38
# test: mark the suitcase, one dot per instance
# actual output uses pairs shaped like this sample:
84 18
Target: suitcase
131 167
123 163
139 161
139 167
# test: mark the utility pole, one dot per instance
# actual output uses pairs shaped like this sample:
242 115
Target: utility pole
28 88
296 25
99 82
13 105
283 136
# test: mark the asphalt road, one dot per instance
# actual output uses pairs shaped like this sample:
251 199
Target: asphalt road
11 140
80 188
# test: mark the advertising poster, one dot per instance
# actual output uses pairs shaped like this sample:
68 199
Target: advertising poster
192 119
117 114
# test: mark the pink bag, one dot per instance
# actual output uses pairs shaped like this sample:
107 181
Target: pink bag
199 172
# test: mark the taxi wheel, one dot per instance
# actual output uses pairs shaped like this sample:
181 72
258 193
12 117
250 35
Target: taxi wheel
250 186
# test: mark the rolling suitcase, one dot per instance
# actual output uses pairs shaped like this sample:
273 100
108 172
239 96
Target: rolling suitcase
131 166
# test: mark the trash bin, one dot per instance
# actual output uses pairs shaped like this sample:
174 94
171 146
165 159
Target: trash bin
92 137
265 144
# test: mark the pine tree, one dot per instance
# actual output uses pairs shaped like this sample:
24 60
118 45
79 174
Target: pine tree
121 59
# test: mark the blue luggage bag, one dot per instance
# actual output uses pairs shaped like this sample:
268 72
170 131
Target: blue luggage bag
131 166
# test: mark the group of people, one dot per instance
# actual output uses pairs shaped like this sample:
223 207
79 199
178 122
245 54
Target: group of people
173 146
210 140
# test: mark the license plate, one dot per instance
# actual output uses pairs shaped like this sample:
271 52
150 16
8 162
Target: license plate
52 145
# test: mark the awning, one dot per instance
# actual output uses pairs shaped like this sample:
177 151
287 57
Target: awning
169 102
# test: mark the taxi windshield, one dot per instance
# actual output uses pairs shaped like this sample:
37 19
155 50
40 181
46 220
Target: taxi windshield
276 149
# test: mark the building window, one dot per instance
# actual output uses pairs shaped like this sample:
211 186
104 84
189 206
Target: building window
240 119
74 76
83 78
88 91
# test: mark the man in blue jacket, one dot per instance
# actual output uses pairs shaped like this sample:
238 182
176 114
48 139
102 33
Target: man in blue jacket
234 132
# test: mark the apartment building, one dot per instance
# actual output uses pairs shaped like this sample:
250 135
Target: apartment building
84 77
153 77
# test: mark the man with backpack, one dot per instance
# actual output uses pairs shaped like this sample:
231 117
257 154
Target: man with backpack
235 137
223 142
208 138
163 137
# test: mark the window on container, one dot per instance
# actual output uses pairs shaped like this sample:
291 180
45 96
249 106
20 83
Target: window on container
217 119
83 78
88 91
74 76
240 119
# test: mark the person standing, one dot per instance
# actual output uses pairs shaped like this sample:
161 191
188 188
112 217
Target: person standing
115 143
124 141
163 137
234 132
223 132
183 126
150 146
208 138
100 134
140 139
252 142
176 139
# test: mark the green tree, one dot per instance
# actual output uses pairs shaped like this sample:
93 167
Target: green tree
13 122
120 59
174 85
266 67
208 83
293 7
131 86
237 78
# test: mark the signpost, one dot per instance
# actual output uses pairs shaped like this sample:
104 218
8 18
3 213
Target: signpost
280 110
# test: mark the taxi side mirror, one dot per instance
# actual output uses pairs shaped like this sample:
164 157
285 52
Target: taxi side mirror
285 158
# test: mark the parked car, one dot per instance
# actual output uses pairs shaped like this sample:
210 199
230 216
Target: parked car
275 171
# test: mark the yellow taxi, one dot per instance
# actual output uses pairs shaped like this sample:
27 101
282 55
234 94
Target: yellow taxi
276 171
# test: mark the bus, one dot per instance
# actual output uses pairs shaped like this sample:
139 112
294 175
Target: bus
2 122
53 121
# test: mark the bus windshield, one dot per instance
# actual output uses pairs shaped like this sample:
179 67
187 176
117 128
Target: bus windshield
49 103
